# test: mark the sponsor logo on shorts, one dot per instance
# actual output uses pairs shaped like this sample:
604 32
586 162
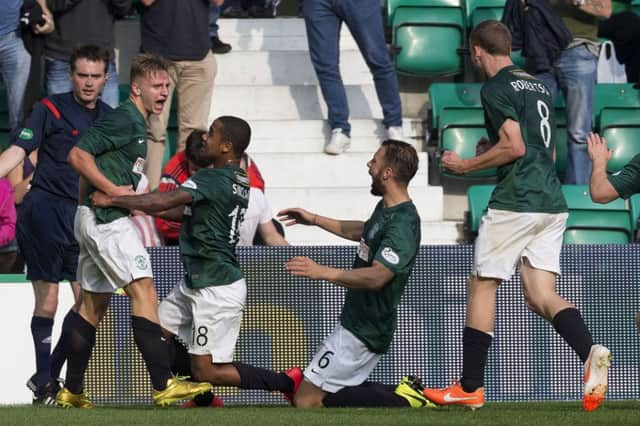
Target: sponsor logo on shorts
26 134
390 256
141 262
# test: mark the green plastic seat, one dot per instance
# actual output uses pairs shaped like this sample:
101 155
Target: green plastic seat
595 236
614 95
427 41
4 121
460 130
4 102
621 128
452 96
393 5
483 10
561 150
478 197
4 139
586 215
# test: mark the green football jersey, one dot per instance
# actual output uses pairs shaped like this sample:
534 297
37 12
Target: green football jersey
210 227
529 184
392 237
627 181
118 142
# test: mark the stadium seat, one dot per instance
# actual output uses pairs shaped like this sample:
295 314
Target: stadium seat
460 131
4 139
427 36
478 197
4 121
561 150
4 102
621 128
614 95
594 223
452 96
483 10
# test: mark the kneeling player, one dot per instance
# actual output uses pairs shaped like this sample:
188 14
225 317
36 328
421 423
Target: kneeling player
389 243
205 309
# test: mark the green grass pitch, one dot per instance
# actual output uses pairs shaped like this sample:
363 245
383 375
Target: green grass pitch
533 413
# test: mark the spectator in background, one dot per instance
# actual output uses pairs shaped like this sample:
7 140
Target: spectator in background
14 58
323 19
258 220
179 31
574 72
623 29
45 223
33 14
217 45
80 22
8 245
186 163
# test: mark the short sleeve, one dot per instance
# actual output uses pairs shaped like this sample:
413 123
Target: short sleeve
37 129
498 107
627 181
198 184
398 248
109 133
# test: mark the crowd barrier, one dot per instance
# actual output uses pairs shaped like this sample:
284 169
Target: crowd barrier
286 317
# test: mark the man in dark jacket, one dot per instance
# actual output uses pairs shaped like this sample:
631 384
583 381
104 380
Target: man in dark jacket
80 22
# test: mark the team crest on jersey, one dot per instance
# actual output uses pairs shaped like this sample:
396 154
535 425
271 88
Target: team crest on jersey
141 262
189 184
390 256
26 134
373 231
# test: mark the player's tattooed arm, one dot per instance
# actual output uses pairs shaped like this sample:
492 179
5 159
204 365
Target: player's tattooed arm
152 203
599 8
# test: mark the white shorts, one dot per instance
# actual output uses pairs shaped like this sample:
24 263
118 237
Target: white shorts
206 319
111 255
505 237
342 360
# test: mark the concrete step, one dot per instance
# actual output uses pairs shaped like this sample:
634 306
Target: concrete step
272 34
311 135
309 170
289 102
351 203
284 68
431 233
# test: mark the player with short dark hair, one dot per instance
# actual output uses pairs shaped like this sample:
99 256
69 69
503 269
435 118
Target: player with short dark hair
389 243
45 223
205 309
110 158
524 225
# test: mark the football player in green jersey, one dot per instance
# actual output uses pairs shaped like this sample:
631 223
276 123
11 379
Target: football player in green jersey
110 157
389 243
524 225
205 309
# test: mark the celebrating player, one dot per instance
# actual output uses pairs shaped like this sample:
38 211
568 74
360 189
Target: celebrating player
524 224
110 156
205 309
389 243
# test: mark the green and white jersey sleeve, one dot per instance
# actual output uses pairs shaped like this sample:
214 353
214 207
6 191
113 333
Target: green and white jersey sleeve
627 181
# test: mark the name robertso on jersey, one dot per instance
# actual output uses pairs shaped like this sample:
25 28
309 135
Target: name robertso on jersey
531 86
